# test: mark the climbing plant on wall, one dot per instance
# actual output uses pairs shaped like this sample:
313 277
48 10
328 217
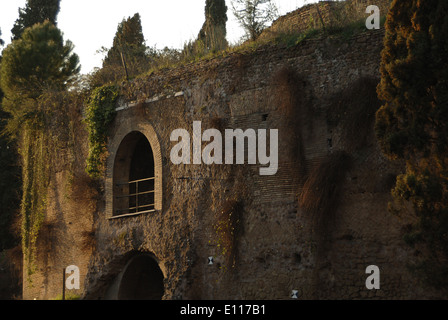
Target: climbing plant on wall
35 183
101 111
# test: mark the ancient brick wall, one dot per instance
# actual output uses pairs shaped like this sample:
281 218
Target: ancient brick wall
278 246
331 13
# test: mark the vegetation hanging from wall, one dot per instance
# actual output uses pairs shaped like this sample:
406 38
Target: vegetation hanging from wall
101 111
228 230
41 140
321 191
35 102
34 153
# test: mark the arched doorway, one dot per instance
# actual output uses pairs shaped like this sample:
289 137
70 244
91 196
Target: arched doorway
130 136
134 176
142 279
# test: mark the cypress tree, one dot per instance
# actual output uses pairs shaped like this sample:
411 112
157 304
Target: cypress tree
35 11
128 40
412 125
129 44
213 32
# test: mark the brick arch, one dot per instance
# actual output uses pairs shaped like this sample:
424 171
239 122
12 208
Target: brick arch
123 130
142 279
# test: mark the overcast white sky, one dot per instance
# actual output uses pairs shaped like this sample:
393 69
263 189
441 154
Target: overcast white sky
91 24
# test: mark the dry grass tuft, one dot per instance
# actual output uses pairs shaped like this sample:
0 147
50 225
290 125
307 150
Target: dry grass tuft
321 190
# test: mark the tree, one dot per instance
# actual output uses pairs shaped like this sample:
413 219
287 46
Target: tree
128 57
129 47
254 15
1 41
412 125
213 32
35 11
36 70
38 61
9 183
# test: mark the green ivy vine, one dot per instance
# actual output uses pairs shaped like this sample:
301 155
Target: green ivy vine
228 230
35 155
101 111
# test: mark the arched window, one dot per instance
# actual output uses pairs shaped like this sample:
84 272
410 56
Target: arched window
134 177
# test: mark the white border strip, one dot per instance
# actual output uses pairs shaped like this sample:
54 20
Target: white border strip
150 100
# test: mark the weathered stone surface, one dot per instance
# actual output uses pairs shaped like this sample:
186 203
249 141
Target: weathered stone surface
279 248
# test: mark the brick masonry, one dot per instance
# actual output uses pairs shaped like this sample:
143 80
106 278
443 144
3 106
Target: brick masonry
277 248
331 13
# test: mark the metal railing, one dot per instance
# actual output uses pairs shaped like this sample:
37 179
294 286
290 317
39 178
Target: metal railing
139 205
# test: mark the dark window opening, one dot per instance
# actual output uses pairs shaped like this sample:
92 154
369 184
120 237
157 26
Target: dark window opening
134 176
142 280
